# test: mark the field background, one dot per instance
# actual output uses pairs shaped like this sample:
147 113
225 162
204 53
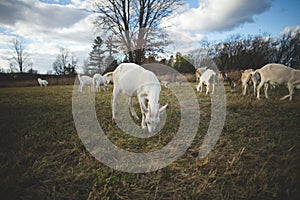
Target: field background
42 157
29 80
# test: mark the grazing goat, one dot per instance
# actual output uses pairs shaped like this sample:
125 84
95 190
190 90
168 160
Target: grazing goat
208 78
98 80
255 78
42 82
199 72
247 76
272 74
108 77
133 80
85 80
223 76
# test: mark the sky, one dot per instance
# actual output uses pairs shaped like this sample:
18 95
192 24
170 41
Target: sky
45 26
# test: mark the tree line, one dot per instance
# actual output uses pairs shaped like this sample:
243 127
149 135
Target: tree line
240 52
235 53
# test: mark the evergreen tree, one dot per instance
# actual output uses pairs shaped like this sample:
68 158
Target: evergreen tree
110 61
182 64
97 56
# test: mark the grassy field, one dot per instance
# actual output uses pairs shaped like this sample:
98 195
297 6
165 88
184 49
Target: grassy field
42 157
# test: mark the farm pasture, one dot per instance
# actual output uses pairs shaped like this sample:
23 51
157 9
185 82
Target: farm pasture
42 157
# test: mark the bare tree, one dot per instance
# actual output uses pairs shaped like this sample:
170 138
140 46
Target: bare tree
134 23
19 58
71 67
241 53
289 48
61 61
200 55
62 64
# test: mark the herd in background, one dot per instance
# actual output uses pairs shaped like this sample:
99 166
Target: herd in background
269 75
93 82
135 81
278 74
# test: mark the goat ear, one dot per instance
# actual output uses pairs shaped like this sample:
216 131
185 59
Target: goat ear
162 109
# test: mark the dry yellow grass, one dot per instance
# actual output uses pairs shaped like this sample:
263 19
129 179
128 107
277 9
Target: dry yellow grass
256 157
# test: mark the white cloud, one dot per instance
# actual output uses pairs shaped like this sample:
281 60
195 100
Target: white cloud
5 40
4 63
290 29
39 13
46 28
82 4
183 41
189 26
218 15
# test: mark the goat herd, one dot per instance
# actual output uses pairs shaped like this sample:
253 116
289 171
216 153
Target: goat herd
269 75
146 86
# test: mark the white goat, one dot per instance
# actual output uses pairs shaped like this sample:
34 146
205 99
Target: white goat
133 80
272 74
108 77
209 79
85 80
199 72
42 82
245 79
98 80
